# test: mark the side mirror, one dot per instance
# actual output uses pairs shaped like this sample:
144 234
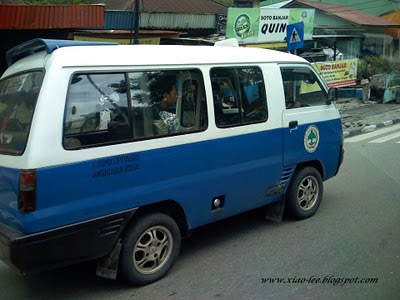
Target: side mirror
333 95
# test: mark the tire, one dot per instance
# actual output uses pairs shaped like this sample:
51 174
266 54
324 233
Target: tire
155 236
305 192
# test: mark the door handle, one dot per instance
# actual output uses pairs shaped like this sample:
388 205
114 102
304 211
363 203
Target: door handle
293 124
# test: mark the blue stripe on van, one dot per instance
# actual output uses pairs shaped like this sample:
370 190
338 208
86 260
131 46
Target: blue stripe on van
242 168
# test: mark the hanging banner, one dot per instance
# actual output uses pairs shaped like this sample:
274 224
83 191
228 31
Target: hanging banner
338 73
261 25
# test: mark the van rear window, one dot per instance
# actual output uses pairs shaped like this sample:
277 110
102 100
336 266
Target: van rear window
18 96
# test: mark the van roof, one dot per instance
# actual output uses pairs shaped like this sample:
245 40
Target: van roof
144 55
151 55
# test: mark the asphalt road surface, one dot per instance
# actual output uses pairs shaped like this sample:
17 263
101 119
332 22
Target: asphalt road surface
349 250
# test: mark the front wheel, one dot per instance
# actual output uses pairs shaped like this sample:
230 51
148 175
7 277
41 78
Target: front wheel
149 248
305 193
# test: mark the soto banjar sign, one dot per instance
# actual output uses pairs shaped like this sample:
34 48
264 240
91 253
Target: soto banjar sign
338 73
263 25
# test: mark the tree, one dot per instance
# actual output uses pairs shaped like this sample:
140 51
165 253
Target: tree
229 3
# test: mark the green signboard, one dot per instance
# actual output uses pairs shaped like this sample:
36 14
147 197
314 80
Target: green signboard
263 25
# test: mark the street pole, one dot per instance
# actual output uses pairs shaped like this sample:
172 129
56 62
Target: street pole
334 51
137 13
132 25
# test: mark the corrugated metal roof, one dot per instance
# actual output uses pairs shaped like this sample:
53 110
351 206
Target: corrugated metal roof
177 21
170 6
347 13
50 16
125 20
117 20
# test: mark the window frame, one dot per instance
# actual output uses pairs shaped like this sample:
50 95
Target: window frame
179 69
321 81
240 93
88 72
125 73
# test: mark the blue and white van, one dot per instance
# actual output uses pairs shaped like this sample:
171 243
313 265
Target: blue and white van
115 152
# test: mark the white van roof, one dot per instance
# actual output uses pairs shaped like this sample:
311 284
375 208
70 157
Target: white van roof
150 55
144 55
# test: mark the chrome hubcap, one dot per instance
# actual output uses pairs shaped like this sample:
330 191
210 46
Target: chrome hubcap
152 250
307 193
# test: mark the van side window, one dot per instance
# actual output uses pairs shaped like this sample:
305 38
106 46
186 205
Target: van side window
167 102
302 88
97 111
239 96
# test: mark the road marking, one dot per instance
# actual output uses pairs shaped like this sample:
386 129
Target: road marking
386 138
371 134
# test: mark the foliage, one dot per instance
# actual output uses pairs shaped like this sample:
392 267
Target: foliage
379 64
229 3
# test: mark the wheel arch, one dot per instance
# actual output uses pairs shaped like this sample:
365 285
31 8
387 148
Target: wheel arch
316 164
169 207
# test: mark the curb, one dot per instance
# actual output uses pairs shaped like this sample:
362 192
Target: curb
370 128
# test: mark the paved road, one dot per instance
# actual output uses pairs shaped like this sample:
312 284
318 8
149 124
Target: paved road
354 234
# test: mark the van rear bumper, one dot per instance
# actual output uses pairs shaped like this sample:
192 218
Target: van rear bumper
62 246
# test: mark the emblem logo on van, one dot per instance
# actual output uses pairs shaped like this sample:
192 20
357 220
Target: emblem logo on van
311 139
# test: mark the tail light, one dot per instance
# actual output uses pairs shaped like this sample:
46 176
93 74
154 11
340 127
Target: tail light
27 191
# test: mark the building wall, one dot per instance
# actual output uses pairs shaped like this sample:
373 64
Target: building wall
350 48
328 20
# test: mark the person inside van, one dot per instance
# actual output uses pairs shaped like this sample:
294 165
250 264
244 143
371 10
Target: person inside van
167 121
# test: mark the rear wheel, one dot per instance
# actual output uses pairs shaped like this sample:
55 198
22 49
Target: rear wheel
305 193
149 248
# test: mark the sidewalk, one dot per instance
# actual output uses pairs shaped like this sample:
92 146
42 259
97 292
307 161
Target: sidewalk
359 118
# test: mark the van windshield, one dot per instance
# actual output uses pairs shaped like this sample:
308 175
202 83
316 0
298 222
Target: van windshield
18 95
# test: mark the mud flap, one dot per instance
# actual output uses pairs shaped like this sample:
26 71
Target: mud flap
107 267
275 211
